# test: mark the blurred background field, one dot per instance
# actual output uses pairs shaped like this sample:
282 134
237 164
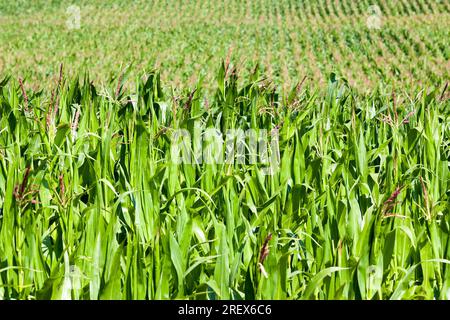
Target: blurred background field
405 43
93 205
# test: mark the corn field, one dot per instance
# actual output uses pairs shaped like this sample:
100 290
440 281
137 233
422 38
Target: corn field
93 207
399 42
335 186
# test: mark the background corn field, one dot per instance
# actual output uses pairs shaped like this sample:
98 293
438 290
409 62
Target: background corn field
92 205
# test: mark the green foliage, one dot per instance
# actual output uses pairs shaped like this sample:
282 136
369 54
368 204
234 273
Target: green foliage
187 39
92 207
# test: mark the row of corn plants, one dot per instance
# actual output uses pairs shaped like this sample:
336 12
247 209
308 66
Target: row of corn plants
368 41
92 205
